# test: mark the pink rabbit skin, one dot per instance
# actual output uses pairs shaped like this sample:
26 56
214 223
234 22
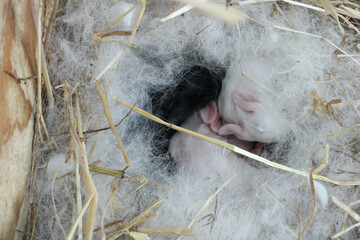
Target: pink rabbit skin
203 158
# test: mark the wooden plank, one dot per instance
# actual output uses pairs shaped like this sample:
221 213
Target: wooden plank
17 101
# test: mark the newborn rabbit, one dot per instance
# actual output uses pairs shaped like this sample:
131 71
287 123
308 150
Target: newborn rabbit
247 113
204 158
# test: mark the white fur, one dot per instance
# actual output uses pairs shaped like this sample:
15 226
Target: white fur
321 193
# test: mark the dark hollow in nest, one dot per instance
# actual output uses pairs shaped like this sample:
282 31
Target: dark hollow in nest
196 87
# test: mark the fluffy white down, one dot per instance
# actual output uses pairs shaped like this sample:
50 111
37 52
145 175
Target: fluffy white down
269 205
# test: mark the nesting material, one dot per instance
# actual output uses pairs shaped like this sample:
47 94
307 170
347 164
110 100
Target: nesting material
104 59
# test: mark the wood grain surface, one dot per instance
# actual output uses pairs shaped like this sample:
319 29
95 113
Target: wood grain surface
17 104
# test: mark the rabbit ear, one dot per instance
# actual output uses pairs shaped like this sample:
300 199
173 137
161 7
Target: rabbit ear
210 115
245 100
230 128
